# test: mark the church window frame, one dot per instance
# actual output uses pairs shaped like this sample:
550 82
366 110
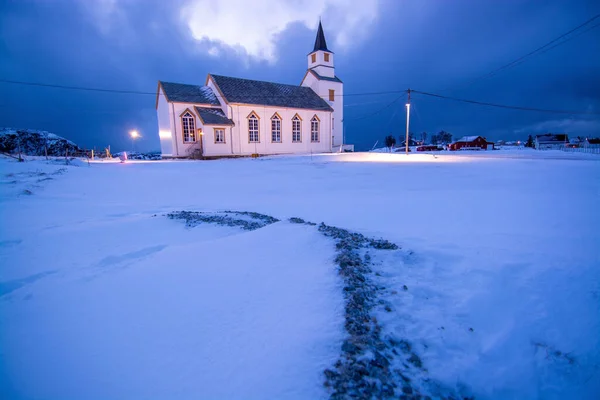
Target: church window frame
331 95
219 135
315 127
275 128
313 58
253 128
296 129
188 127
326 57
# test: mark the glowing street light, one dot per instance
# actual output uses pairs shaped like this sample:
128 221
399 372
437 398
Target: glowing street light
134 135
407 120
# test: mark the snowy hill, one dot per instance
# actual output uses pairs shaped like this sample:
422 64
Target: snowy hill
35 143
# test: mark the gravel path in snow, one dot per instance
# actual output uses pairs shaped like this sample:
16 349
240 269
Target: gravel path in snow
373 364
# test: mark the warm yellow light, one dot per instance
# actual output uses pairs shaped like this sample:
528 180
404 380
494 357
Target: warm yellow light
400 158
164 134
134 134
200 132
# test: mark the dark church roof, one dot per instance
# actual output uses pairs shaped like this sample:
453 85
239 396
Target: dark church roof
213 116
247 91
182 93
320 43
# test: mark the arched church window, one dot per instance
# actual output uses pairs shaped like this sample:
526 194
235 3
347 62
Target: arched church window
188 124
276 128
314 129
253 133
296 129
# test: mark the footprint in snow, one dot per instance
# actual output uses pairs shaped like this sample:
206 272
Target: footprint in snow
128 258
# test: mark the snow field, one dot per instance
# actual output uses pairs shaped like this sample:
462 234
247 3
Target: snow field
104 299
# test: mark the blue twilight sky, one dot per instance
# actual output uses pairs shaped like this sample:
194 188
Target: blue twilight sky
380 45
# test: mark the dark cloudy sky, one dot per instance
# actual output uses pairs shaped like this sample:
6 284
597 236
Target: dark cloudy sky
380 45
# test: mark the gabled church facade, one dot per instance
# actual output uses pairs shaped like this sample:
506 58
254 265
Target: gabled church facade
233 116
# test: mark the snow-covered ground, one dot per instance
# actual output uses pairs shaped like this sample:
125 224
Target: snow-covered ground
497 285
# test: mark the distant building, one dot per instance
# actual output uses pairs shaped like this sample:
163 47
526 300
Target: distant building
551 141
471 143
233 116
429 147
411 143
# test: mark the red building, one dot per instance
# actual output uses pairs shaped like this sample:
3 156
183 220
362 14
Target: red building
471 143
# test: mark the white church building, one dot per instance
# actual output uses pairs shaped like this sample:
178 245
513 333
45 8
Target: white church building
233 116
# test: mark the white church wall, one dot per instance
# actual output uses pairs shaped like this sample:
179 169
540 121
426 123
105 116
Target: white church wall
322 67
241 144
224 106
165 133
322 87
183 149
310 81
338 108
212 148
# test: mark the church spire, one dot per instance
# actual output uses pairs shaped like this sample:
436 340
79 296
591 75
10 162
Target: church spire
320 43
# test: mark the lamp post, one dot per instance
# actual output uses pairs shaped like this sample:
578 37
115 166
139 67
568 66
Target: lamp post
407 119
201 137
134 135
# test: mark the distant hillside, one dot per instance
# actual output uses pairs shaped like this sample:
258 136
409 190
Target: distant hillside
34 142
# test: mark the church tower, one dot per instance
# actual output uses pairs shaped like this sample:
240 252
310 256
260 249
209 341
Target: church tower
321 78
321 58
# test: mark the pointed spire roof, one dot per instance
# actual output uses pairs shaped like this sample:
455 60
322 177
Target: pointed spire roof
320 43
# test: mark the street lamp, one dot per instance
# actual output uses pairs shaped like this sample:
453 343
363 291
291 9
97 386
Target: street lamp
407 120
134 135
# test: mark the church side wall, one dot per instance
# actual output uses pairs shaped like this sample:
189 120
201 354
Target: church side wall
241 144
338 109
165 133
337 104
321 87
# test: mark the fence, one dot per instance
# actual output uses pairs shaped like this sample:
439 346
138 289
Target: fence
590 149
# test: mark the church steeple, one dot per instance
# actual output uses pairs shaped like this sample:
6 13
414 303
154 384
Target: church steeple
321 78
320 60
320 43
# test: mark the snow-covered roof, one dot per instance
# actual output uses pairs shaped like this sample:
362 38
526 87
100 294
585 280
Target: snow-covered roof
184 93
467 138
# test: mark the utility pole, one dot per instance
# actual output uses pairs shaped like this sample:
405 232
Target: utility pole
407 119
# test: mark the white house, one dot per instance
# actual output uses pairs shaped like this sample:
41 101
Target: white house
234 116
551 141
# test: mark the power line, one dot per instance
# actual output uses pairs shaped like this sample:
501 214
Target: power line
119 91
89 89
378 111
540 50
481 103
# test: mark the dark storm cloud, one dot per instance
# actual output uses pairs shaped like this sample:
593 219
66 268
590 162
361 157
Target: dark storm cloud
437 46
